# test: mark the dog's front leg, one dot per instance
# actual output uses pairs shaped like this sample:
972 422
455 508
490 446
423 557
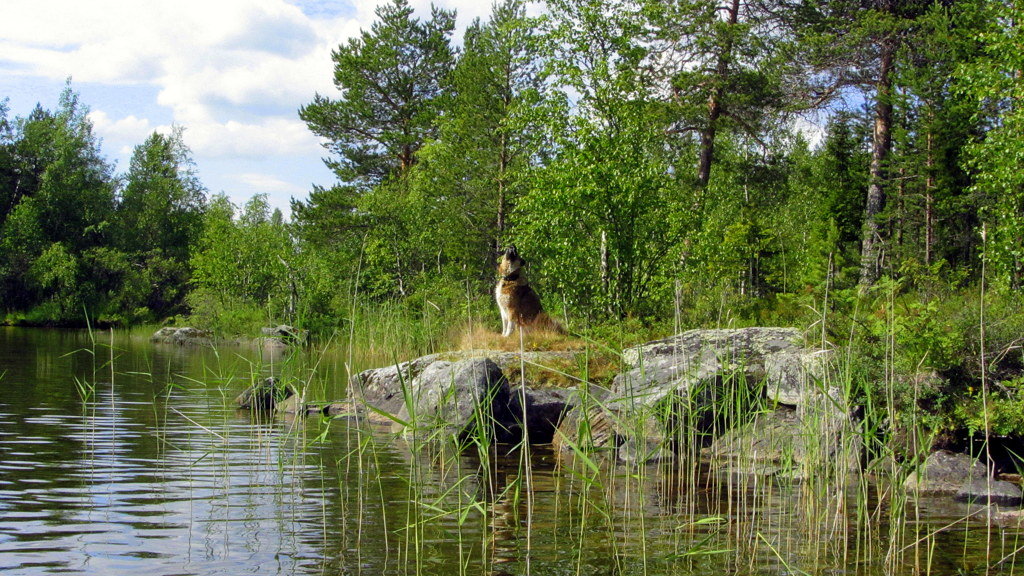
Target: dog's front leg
504 319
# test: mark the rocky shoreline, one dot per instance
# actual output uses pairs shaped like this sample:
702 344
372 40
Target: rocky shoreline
271 337
750 401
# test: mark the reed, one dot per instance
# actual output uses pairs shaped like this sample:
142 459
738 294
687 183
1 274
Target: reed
424 501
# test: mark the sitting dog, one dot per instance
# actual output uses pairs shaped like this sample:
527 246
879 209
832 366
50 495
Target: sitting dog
518 303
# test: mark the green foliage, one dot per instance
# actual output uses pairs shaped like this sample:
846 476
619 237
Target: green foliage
994 82
242 265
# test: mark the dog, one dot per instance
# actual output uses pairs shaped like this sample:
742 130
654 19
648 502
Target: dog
518 303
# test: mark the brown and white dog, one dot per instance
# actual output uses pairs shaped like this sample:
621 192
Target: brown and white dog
518 303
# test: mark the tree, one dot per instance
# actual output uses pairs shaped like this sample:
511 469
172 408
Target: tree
390 78
75 186
597 213
59 204
995 82
467 179
159 219
8 167
162 203
242 265
728 65
857 43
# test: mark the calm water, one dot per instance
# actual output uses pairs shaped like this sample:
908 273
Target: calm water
127 458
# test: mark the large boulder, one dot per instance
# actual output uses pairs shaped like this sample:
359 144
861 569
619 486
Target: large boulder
385 388
693 385
675 365
457 399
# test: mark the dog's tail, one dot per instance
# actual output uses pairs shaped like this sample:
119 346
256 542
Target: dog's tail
543 321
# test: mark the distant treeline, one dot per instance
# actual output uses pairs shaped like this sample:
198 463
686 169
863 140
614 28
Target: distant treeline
650 159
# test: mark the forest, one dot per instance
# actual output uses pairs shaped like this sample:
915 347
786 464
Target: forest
852 167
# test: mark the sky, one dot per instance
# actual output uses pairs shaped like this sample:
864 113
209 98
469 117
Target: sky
232 73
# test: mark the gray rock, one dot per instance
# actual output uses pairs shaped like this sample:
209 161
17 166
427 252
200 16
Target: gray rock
787 441
544 410
675 364
588 427
183 336
384 388
285 334
264 396
945 472
987 491
454 398
678 389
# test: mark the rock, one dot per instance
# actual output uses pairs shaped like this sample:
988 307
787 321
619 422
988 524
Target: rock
945 472
680 362
678 389
589 426
786 441
456 398
383 388
987 491
264 396
183 336
1009 518
544 410
284 334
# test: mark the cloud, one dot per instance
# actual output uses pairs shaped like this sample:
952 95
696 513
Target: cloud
267 183
124 133
274 136
211 62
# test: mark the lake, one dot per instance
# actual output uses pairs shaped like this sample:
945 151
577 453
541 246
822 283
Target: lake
118 456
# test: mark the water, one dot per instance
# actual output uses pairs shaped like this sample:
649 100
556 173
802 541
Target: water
121 457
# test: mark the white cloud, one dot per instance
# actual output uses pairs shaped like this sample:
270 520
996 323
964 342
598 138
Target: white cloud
214 63
124 133
267 183
269 137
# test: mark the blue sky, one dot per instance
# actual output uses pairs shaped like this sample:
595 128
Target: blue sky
233 73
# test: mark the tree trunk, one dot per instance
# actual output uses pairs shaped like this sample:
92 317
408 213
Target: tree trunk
881 144
707 135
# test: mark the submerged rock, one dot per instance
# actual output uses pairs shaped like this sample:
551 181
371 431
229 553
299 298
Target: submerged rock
283 336
183 336
945 472
264 396
989 491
